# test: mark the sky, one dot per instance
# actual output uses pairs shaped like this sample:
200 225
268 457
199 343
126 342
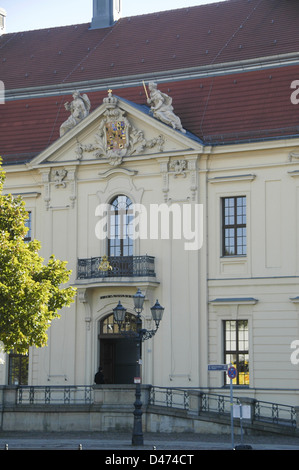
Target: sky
24 15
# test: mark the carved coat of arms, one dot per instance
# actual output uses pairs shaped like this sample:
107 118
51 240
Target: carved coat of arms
116 138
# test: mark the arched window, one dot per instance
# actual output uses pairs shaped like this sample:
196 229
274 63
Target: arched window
110 327
120 242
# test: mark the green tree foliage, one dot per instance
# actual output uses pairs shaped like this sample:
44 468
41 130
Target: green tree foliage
31 292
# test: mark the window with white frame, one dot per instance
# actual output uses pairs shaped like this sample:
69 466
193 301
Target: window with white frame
236 349
120 241
234 237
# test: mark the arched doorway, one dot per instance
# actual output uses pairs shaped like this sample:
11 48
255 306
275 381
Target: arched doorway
118 354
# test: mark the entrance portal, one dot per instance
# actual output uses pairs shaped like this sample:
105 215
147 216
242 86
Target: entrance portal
118 354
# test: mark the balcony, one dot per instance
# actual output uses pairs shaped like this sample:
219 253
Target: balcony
118 267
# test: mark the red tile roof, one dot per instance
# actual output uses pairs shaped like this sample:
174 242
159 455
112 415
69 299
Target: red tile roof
228 31
223 108
229 108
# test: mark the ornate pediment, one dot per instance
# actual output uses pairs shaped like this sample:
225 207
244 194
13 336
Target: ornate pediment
116 137
116 130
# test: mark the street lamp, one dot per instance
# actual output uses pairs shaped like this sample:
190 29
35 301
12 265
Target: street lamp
141 334
119 314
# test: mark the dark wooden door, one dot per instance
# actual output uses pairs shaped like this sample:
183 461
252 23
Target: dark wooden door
107 360
118 358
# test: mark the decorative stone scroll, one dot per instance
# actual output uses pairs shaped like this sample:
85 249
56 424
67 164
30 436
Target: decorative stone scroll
116 137
59 180
58 176
293 155
182 167
178 167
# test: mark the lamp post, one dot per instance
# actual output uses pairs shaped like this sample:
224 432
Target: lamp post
141 334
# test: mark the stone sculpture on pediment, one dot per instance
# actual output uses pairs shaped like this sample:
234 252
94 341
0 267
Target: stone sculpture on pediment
79 109
162 109
116 137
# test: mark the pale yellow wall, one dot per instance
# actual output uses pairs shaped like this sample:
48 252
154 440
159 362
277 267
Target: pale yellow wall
190 335
269 271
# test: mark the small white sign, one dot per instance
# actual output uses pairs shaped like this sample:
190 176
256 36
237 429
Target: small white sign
246 411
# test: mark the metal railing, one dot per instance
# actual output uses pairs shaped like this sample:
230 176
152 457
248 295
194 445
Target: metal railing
174 398
121 266
55 395
274 413
212 403
169 397
180 398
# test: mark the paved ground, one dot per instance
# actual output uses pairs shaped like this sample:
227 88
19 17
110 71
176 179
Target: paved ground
122 441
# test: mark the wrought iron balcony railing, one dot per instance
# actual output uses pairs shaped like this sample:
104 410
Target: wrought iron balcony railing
118 266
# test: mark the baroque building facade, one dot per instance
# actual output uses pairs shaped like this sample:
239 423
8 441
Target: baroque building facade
177 179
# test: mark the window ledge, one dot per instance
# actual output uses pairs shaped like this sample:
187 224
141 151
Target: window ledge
231 178
234 301
231 257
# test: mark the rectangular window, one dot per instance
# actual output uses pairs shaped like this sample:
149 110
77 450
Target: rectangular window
234 241
236 349
18 369
28 225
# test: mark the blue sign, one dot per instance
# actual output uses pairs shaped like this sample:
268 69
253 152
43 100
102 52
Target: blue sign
217 366
232 372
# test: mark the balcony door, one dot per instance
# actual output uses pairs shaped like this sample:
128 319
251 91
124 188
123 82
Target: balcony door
120 242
